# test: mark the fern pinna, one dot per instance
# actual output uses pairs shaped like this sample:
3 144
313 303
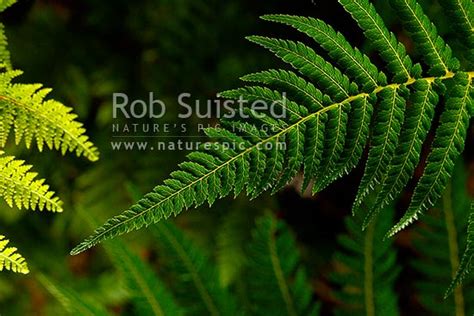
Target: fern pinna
334 109
25 112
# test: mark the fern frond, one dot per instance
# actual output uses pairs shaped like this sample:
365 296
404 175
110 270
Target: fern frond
10 259
23 107
356 64
4 4
274 262
19 187
447 146
444 227
467 261
418 120
150 295
196 286
326 128
436 53
72 301
367 268
392 51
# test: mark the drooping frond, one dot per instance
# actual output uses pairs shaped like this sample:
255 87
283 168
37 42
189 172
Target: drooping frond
467 261
10 259
232 237
439 244
447 146
150 295
366 268
23 108
333 109
72 301
436 53
195 284
19 187
278 285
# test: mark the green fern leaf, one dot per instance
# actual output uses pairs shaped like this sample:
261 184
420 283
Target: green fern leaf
4 53
274 261
151 297
445 227
19 187
23 108
10 259
436 53
72 301
197 285
467 260
447 146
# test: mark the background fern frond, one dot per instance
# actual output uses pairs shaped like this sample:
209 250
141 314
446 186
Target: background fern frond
150 295
195 280
444 227
19 187
366 268
72 301
277 283
10 259
467 260
461 15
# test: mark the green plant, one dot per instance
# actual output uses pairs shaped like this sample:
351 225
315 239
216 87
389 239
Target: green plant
26 113
189 281
444 227
331 118
366 268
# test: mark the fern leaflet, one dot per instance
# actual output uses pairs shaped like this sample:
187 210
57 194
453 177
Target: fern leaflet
10 259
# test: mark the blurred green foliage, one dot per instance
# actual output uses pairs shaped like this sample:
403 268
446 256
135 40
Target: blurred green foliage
88 50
